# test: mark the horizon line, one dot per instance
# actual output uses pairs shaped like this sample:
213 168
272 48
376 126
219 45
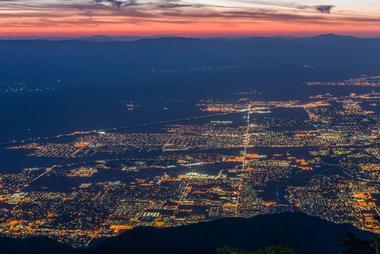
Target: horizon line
64 37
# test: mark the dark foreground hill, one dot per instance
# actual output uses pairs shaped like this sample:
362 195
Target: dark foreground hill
303 233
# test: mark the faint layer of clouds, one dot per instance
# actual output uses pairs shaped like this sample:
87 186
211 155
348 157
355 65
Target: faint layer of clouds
96 12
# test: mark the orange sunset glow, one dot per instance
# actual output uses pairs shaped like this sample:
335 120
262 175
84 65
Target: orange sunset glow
187 18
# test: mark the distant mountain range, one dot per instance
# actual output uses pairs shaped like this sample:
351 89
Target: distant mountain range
80 38
305 234
135 38
168 64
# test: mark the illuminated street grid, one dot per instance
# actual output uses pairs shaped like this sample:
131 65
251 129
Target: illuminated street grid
320 156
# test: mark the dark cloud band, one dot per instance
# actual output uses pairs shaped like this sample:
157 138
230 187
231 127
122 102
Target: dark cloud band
324 8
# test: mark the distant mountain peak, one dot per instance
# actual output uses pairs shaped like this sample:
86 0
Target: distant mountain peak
335 36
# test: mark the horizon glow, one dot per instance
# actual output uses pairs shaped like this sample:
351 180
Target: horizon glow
188 17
